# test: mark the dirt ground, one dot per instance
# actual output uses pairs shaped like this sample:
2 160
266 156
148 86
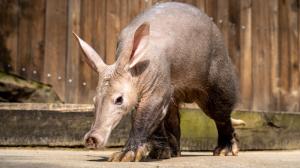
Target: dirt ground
58 158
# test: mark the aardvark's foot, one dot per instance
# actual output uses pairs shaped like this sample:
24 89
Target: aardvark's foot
225 148
160 153
137 155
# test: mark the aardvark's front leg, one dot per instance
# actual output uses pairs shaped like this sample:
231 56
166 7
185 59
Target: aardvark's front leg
145 120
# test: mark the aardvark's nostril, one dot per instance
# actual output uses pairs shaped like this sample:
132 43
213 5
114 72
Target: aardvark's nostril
91 142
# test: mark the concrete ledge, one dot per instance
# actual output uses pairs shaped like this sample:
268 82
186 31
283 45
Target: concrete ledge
66 124
272 130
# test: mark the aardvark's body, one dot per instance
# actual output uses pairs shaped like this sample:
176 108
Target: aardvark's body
171 53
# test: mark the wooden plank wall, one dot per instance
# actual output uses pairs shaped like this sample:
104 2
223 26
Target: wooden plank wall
262 37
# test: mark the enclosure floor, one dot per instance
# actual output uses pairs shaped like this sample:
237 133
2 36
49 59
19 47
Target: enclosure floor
46 158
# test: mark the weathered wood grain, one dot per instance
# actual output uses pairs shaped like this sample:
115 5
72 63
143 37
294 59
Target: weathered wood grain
56 45
234 33
262 39
124 19
201 4
246 79
274 47
222 19
299 51
134 9
25 35
294 52
9 32
73 49
99 37
261 55
284 57
113 27
87 76
211 8
37 40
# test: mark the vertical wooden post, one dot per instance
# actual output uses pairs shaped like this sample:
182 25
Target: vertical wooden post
246 77
261 55
72 63
113 27
56 45
294 54
274 49
9 61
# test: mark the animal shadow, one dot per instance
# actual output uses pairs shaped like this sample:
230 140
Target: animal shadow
104 158
100 159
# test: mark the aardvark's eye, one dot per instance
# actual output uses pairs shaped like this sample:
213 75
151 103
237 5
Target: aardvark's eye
119 100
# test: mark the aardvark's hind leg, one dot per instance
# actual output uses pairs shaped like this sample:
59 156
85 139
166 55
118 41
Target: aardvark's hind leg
218 106
227 140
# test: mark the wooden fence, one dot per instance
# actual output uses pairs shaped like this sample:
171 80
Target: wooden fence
262 37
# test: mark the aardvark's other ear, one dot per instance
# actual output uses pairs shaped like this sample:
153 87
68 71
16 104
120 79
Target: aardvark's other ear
92 57
140 41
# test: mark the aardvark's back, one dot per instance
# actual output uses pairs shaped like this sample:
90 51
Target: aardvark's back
186 41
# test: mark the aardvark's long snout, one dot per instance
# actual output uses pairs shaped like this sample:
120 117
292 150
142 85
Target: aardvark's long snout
94 139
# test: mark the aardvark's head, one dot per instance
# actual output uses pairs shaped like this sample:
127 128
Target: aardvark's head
116 94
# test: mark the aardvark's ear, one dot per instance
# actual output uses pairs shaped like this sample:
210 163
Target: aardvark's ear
92 57
140 41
